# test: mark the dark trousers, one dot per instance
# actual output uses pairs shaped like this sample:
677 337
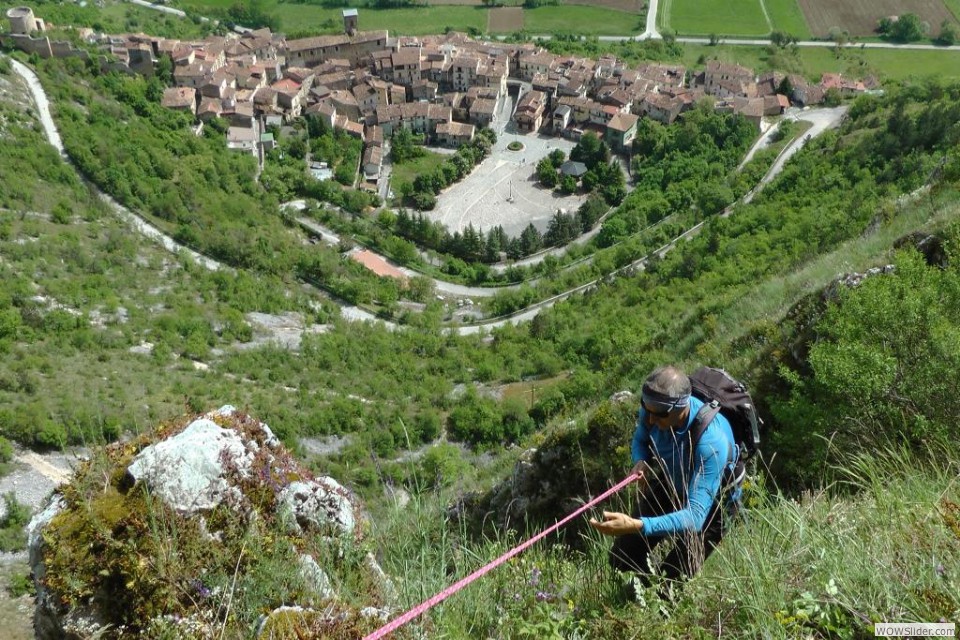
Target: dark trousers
631 552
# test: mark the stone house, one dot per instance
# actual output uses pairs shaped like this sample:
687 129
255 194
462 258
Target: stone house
242 139
192 75
561 118
723 79
462 72
661 107
180 99
418 117
621 131
424 91
209 109
453 134
217 84
529 111
482 112
405 65
372 162
532 63
367 98
356 48
346 105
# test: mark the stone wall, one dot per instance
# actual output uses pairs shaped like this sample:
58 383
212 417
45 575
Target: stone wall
40 46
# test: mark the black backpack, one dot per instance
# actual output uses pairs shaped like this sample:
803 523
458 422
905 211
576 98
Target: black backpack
722 393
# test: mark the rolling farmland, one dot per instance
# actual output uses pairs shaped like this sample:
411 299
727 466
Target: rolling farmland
860 17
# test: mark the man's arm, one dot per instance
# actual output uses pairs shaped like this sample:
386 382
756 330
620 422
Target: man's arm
639 450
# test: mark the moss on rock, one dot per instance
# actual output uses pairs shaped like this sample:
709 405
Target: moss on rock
119 561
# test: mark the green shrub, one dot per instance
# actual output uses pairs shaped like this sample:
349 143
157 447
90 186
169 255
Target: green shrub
12 534
883 364
6 450
20 584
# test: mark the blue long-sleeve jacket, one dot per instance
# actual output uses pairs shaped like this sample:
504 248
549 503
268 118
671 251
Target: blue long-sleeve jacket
697 486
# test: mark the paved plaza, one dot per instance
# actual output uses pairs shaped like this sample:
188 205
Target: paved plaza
503 189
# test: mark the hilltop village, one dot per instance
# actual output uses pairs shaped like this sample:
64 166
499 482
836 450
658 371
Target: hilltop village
443 87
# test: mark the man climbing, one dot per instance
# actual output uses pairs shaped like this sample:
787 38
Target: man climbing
688 498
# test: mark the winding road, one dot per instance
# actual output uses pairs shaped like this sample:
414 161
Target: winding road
348 312
822 119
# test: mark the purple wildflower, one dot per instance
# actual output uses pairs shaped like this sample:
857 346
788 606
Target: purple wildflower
534 577
200 589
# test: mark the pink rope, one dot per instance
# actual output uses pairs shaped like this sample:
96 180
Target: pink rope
432 601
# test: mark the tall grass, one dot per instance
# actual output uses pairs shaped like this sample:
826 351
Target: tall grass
880 544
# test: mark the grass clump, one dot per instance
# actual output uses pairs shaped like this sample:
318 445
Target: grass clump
15 518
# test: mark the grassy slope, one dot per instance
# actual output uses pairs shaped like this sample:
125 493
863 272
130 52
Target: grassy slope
114 16
15 625
806 567
954 7
93 264
812 567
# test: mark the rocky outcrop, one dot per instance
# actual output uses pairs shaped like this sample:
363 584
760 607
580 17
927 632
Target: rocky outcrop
166 535
188 470
320 503
931 247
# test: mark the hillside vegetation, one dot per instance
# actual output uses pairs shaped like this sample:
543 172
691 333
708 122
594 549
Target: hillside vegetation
853 518
358 381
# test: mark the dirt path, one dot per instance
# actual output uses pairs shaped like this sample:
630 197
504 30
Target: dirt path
36 462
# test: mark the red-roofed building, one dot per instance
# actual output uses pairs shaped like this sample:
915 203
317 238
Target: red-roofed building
377 264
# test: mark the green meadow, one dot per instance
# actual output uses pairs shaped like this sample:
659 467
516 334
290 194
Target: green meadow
886 64
722 17
786 16
588 21
423 20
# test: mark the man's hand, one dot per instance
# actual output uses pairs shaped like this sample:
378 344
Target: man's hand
642 471
616 524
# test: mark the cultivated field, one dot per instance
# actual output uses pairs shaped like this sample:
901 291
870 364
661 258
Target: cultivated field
722 17
812 62
583 20
505 20
786 16
635 6
585 17
860 17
